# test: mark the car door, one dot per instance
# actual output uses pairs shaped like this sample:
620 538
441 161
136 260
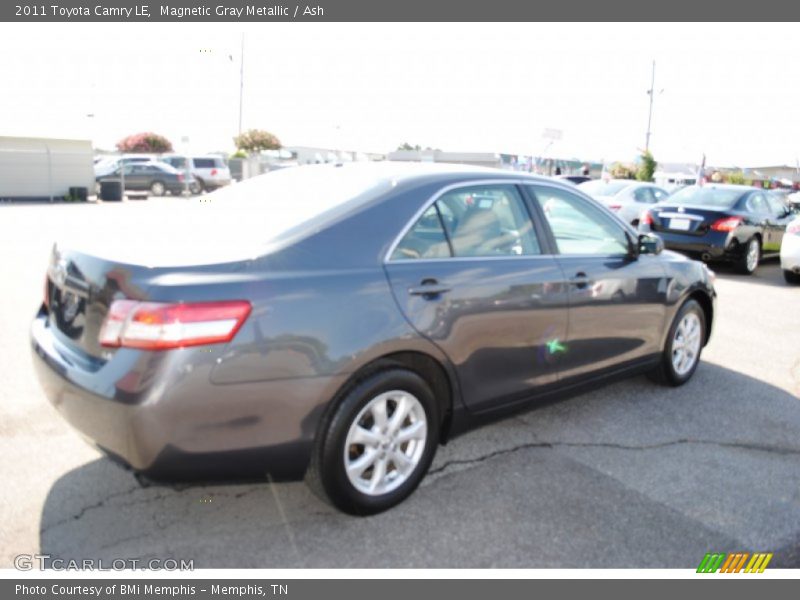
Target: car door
139 178
472 276
643 199
779 218
616 299
763 220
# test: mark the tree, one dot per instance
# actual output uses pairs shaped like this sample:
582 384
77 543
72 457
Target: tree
407 146
737 177
647 167
256 140
621 171
145 142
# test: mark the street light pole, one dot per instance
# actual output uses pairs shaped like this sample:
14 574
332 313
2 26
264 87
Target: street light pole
651 91
241 86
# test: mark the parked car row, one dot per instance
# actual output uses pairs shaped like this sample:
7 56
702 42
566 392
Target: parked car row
737 224
165 173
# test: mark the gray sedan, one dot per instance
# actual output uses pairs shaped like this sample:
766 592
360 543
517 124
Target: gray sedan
341 321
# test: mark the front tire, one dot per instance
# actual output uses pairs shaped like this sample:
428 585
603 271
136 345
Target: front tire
378 443
748 261
791 277
684 345
157 188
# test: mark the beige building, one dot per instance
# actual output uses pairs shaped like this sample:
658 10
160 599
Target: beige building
43 168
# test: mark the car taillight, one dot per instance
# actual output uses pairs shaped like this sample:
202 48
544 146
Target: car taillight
213 172
726 224
615 206
161 326
793 228
180 176
645 218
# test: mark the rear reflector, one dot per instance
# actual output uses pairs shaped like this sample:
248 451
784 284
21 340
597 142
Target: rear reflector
726 224
160 326
793 228
615 206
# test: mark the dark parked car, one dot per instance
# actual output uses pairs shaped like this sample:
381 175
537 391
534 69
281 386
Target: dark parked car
342 321
733 223
154 177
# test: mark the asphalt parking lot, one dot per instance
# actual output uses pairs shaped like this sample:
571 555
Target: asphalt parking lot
630 475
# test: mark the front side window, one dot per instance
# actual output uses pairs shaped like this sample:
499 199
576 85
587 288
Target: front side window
579 227
756 203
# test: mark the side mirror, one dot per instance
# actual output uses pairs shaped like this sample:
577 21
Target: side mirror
650 244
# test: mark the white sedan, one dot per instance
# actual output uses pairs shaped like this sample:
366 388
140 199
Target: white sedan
790 252
625 197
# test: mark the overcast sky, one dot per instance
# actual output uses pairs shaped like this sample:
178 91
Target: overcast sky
729 90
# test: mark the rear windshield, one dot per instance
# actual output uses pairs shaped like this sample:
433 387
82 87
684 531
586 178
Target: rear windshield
290 202
208 163
706 196
598 187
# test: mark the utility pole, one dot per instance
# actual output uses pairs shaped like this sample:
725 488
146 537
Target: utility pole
241 86
651 92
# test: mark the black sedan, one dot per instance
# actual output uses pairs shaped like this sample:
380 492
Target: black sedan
153 176
732 223
343 321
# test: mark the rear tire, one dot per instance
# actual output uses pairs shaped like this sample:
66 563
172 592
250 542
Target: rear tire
684 345
747 263
791 277
369 457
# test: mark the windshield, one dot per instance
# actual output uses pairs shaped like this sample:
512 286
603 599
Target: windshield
706 196
598 187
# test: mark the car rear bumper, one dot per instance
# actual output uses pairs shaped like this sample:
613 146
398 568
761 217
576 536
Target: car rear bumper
790 253
712 246
159 414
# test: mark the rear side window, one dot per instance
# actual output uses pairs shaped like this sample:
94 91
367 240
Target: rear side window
645 195
578 226
204 163
176 161
426 239
488 221
472 222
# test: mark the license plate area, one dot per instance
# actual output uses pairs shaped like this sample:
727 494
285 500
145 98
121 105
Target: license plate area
680 224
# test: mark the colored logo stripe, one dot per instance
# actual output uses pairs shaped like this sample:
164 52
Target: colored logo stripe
734 562
758 563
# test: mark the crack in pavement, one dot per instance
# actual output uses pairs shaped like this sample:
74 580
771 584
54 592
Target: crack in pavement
159 496
556 444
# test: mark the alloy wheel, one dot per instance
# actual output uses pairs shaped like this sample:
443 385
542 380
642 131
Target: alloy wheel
385 442
686 344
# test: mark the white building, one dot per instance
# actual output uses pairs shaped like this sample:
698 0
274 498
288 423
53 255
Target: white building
43 168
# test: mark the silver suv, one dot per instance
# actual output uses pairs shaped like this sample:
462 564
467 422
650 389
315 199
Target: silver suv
210 172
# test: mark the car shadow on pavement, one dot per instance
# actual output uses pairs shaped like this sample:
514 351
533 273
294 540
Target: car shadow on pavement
768 273
630 475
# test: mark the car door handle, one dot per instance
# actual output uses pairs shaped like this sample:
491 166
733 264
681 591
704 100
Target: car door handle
579 280
429 288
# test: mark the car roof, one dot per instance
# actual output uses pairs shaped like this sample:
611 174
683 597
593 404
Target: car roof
403 172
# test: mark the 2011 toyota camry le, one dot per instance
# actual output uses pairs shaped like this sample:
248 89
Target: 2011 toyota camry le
341 321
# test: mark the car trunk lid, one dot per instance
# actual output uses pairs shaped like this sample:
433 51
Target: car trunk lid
690 220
